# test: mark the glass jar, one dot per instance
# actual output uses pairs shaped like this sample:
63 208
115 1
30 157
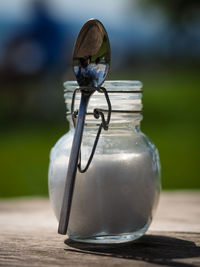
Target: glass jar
115 199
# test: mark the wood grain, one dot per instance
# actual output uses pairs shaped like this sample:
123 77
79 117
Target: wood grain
28 237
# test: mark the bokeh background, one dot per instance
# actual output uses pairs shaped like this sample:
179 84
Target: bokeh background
157 42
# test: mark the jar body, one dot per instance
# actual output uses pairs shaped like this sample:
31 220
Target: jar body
115 199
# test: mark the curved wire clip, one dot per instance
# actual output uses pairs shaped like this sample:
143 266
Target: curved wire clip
97 114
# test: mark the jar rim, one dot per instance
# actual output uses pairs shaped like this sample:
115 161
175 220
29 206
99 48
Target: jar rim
111 85
125 97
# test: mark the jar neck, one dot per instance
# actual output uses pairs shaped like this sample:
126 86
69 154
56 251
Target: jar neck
125 98
133 124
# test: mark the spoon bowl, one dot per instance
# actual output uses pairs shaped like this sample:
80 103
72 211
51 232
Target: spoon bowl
91 57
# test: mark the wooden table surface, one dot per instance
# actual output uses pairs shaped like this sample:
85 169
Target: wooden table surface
28 237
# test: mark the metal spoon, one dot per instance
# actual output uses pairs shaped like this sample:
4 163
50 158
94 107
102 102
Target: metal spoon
91 63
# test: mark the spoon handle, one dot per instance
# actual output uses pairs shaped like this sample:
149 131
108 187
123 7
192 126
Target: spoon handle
72 166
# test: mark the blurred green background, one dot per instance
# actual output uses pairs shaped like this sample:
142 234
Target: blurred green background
162 49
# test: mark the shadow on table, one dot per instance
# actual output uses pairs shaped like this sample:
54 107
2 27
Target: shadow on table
155 249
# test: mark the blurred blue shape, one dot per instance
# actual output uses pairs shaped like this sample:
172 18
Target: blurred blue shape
37 47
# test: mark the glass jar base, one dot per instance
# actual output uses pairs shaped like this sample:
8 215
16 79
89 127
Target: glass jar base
112 239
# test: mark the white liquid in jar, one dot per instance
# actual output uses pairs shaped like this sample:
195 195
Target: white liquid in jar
116 195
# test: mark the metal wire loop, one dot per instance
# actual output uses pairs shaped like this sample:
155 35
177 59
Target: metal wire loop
97 114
